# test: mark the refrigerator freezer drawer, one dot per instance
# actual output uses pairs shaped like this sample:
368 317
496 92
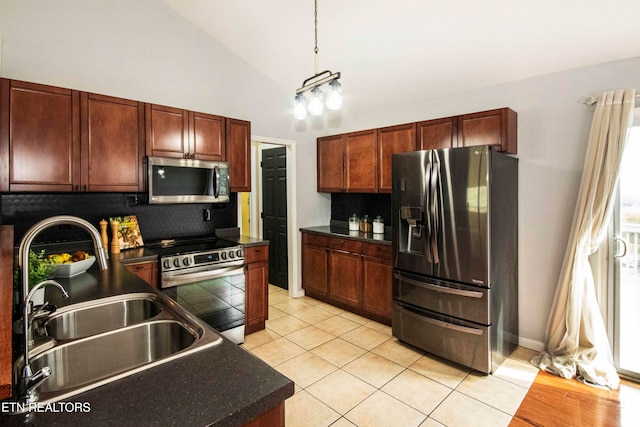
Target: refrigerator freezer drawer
462 342
452 299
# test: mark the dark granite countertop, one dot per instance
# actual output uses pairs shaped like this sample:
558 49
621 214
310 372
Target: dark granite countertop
135 255
246 241
341 229
220 386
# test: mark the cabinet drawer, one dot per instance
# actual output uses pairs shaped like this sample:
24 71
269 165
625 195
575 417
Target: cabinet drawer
346 245
256 254
315 239
377 251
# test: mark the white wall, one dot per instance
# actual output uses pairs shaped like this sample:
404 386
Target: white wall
143 50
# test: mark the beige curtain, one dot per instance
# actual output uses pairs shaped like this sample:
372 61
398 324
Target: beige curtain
577 343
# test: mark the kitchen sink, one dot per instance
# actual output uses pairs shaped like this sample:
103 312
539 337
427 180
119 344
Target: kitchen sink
104 340
90 360
103 315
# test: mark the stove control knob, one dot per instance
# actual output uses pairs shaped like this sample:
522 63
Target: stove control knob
166 264
231 255
176 262
186 261
239 253
223 255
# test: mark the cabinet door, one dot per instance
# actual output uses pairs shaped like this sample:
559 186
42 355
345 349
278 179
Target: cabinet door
376 284
330 164
39 137
238 143
315 278
438 133
167 131
113 145
393 139
256 294
147 271
207 138
497 128
361 164
345 278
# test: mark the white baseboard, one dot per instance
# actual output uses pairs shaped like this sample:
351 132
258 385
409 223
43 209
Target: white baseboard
531 344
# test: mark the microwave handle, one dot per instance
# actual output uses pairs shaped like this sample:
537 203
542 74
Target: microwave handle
216 173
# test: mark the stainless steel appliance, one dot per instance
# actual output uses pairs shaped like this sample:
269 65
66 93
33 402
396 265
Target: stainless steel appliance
187 181
206 277
455 253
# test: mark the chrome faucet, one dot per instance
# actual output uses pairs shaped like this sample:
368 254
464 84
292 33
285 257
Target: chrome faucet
29 381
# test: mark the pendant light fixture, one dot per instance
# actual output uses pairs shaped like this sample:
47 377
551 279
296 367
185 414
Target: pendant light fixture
315 103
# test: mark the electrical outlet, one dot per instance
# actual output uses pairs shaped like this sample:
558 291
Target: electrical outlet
206 214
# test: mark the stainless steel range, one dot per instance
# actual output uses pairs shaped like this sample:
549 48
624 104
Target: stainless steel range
206 277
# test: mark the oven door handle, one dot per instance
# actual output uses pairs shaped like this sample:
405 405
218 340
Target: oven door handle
176 279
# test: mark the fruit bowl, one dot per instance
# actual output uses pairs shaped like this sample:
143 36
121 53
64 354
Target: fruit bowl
74 268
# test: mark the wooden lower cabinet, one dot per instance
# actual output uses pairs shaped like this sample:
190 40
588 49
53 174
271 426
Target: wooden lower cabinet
256 279
376 279
345 278
147 271
272 418
349 274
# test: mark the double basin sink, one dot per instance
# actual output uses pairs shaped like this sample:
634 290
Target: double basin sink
100 341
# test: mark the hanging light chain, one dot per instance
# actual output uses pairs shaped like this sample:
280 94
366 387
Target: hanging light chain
315 22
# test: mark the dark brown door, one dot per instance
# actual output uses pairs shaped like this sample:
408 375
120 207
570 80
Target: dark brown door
274 213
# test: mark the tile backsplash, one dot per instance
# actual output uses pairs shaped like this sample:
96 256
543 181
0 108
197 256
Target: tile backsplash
156 221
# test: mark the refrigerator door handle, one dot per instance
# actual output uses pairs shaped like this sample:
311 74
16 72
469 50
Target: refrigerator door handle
442 289
440 323
433 206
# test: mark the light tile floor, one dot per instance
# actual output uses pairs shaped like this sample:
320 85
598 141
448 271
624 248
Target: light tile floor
350 371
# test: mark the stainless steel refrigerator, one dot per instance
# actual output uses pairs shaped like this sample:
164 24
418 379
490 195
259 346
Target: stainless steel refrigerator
455 253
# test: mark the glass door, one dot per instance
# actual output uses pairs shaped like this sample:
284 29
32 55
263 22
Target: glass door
627 260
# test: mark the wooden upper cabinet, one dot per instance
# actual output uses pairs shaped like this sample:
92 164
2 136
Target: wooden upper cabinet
39 137
206 136
438 133
497 128
391 140
167 131
238 148
331 164
113 144
361 164
173 132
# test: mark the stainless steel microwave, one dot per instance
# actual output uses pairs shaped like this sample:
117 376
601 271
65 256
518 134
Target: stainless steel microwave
187 181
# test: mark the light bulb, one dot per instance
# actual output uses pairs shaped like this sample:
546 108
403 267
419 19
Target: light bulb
315 105
334 100
300 109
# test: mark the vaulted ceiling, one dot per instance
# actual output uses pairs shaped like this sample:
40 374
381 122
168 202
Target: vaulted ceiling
399 52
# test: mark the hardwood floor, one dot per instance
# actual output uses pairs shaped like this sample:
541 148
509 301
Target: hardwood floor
554 401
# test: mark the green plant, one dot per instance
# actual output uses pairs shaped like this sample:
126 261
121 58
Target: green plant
40 268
